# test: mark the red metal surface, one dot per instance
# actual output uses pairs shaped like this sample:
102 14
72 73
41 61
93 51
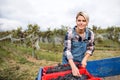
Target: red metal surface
54 75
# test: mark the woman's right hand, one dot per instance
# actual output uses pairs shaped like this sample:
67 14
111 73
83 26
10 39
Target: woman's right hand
75 70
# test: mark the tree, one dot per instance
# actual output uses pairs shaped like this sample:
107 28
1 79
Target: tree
94 28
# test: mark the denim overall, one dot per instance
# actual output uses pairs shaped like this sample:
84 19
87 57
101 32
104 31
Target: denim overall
78 48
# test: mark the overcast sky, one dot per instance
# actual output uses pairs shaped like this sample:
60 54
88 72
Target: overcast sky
54 13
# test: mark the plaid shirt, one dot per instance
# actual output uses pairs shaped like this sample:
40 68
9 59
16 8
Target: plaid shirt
68 40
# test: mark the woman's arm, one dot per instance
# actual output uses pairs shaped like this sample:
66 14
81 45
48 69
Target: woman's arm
67 44
84 61
68 54
90 49
90 46
75 70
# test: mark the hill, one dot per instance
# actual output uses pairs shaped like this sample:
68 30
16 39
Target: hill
18 63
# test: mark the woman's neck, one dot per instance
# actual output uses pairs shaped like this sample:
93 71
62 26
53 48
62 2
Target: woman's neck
80 31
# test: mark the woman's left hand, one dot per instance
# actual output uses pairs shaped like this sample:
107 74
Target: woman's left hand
84 61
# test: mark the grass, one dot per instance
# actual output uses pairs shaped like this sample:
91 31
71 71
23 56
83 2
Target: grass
108 44
101 54
51 47
18 64
3 54
50 56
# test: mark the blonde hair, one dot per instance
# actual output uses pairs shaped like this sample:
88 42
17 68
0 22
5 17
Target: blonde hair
85 15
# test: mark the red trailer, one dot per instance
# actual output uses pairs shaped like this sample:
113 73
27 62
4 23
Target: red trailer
96 70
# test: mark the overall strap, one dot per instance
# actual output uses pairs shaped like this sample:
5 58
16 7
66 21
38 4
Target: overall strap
88 34
73 31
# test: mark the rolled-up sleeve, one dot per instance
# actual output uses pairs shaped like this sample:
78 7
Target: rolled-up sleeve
90 46
67 44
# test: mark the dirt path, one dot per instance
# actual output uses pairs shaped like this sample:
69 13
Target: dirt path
112 78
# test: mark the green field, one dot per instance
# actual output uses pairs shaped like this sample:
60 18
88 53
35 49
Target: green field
17 61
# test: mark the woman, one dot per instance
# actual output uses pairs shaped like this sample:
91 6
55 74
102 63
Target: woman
78 44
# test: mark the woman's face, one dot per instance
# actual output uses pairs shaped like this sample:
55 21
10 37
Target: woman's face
81 22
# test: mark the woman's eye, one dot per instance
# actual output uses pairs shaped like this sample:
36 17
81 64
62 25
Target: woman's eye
83 20
79 20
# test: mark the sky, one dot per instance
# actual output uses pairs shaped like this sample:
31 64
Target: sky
54 13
